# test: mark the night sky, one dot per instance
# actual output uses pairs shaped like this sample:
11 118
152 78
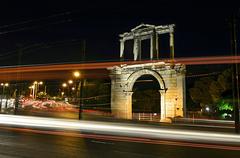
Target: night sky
54 32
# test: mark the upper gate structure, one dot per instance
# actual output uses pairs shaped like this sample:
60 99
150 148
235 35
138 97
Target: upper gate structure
146 31
171 78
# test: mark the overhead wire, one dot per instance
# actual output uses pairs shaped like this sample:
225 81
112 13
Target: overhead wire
35 20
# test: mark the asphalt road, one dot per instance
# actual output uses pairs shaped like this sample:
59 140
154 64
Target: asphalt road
22 144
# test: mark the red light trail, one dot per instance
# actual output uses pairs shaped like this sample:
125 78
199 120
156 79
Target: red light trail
56 71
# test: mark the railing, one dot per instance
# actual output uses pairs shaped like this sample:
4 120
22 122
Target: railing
146 116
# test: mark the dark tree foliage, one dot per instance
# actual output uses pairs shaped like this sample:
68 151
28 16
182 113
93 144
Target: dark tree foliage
211 90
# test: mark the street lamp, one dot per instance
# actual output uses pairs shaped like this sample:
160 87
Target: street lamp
35 88
76 74
31 91
70 81
64 85
62 93
3 85
79 87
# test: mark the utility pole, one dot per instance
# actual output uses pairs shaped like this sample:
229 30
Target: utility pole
81 84
83 51
235 73
17 90
16 102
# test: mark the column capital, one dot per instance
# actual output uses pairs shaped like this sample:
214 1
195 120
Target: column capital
128 93
162 91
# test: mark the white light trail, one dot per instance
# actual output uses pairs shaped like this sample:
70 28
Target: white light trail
121 129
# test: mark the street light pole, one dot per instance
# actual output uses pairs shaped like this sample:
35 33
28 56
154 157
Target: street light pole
79 88
235 75
81 99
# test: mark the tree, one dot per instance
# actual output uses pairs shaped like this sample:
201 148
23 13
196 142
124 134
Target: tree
213 92
200 93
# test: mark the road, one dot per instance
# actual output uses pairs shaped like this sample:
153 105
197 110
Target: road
24 136
19 144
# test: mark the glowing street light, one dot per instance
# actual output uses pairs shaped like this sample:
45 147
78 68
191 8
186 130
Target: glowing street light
76 74
70 81
64 85
79 88
3 85
36 87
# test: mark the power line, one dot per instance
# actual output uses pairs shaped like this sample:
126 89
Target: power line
34 27
35 46
206 74
35 20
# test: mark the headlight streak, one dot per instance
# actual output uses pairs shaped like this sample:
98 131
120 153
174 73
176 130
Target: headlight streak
121 129
124 139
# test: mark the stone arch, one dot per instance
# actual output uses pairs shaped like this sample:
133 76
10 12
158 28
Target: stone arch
171 82
134 76
137 74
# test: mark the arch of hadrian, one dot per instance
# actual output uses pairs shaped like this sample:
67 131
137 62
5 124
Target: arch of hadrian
171 77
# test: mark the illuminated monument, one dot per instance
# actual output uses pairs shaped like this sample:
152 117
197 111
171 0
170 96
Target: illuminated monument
170 76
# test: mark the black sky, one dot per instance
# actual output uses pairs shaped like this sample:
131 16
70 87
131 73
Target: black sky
54 31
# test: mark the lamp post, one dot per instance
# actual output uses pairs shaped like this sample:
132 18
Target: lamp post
70 82
64 85
35 88
79 88
3 85
235 73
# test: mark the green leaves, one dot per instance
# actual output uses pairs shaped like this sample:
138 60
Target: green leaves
224 106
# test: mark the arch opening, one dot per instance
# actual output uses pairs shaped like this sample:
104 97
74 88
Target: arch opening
146 102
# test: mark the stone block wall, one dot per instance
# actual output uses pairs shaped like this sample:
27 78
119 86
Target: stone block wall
171 81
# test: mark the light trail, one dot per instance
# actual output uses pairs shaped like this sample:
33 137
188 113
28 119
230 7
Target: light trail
123 129
124 139
63 71
104 65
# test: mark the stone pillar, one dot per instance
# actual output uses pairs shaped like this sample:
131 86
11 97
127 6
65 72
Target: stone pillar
157 47
128 106
122 105
151 48
136 48
181 108
171 42
140 49
163 105
121 48
153 51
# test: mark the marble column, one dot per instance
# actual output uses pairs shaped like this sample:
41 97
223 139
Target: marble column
163 104
171 42
128 106
136 48
121 48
